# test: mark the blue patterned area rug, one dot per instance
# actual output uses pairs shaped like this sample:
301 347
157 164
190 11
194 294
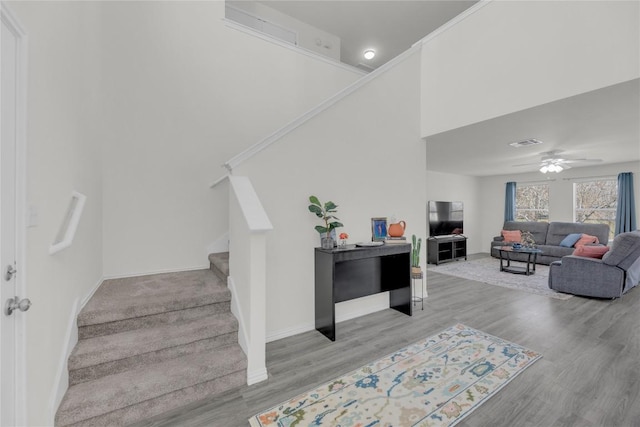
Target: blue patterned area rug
434 382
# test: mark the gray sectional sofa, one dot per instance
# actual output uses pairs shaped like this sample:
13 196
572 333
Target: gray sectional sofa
548 236
610 277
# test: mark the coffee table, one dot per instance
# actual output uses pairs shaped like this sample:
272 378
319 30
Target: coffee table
505 252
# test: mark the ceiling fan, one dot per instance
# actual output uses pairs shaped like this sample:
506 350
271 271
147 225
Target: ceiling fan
552 161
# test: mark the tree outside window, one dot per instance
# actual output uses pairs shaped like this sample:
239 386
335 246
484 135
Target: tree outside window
595 202
532 202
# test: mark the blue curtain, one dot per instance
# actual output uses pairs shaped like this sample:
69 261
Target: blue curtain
626 211
510 202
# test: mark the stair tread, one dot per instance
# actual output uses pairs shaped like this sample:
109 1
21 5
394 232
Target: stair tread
107 348
93 398
119 299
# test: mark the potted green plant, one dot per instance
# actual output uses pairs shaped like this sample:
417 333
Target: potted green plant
325 212
415 255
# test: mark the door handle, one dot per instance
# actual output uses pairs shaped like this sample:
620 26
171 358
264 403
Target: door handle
16 303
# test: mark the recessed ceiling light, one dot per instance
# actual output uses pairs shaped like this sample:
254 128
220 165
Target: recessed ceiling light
369 54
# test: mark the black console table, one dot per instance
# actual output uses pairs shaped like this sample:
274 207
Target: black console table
354 272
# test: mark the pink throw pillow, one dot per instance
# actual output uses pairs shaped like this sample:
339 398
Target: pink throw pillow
586 240
591 251
512 235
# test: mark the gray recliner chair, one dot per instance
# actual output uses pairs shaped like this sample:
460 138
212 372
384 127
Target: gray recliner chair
610 277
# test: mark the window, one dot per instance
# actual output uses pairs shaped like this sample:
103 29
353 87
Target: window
532 202
595 202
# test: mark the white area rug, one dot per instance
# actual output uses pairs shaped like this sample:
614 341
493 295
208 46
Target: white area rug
487 270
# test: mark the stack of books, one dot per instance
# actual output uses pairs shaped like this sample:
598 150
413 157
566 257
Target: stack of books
395 240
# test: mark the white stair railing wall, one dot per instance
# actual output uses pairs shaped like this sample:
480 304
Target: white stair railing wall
248 227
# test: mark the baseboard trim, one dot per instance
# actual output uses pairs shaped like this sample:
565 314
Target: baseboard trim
362 312
289 332
340 317
256 376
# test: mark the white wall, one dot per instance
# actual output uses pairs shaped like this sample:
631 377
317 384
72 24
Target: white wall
512 55
136 105
365 155
492 191
452 187
184 93
309 37
63 139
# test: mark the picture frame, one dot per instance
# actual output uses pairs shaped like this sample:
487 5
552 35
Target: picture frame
378 229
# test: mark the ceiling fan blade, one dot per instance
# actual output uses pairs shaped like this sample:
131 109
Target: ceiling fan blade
527 164
552 158
582 160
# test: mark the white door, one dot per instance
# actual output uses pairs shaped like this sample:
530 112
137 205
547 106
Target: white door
9 268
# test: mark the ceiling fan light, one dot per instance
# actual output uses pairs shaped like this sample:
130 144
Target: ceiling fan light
552 167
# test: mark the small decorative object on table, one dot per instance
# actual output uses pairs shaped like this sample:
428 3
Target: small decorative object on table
325 212
378 229
528 240
343 240
415 255
397 229
396 233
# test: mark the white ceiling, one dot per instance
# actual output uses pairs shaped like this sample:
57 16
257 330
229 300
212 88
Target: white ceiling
602 124
389 27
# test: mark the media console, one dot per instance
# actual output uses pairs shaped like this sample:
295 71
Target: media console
354 272
446 248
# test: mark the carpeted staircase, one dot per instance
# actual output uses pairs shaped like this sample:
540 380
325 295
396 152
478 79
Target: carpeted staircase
151 344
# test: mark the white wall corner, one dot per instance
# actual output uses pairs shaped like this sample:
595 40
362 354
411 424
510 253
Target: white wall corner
221 244
236 310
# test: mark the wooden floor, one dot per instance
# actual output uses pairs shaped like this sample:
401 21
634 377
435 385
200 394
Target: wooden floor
589 374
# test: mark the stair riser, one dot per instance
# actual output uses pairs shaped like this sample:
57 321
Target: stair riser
219 264
166 318
165 403
77 376
219 274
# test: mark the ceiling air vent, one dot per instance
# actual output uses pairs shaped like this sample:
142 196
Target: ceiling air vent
525 143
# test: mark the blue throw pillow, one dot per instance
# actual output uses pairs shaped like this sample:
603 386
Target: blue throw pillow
570 240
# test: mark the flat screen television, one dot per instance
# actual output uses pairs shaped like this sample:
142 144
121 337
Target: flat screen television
445 218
